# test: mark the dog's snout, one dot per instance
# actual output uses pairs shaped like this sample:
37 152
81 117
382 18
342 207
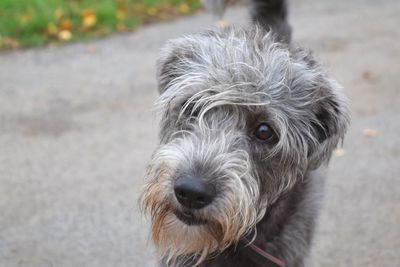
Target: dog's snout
193 192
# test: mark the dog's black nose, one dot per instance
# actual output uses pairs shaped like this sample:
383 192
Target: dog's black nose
193 193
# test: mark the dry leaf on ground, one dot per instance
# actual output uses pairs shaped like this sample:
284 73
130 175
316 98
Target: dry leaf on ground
369 76
369 132
89 18
64 35
339 152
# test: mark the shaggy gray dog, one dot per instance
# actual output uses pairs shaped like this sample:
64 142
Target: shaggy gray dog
248 124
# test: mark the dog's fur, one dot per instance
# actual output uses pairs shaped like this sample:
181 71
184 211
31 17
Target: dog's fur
216 87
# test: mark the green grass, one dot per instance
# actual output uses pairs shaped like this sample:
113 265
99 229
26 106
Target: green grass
26 23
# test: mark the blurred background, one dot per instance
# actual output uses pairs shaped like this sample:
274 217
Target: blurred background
28 23
77 126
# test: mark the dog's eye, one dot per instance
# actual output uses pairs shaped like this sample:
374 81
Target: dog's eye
264 132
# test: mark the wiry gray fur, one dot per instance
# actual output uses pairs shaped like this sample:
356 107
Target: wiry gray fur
216 87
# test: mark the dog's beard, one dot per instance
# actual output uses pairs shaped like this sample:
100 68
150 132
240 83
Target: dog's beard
231 218
175 238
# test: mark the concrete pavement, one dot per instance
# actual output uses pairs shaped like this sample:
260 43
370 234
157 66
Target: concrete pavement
77 127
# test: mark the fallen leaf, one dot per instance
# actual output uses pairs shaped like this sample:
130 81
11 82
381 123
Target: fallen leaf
52 29
396 211
64 35
222 24
121 27
91 49
152 11
184 8
369 132
52 45
331 46
138 8
369 76
65 24
25 18
339 152
58 13
8 42
120 14
89 18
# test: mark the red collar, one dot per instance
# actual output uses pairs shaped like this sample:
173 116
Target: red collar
261 254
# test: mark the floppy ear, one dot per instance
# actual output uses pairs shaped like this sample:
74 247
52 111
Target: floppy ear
331 112
332 120
173 62
330 115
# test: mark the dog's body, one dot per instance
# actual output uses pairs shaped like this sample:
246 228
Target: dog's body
249 123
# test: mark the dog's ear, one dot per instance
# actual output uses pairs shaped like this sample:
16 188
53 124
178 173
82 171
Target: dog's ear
332 118
173 62
330 113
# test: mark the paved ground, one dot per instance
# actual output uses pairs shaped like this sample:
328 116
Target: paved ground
76 129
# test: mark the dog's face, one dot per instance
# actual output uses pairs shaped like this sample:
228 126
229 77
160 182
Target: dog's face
244 118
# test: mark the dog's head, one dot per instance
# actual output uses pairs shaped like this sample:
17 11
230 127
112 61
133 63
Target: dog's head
243 119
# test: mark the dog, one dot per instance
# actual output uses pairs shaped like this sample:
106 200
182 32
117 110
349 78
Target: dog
249 124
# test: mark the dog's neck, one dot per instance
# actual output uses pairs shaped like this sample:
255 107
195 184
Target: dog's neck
278 227
289 220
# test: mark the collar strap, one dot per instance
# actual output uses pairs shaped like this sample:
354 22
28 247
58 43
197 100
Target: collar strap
259 255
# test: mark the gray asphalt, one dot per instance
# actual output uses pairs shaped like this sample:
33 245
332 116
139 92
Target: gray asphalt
77 126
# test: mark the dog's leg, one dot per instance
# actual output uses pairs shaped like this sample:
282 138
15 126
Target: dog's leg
272 14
